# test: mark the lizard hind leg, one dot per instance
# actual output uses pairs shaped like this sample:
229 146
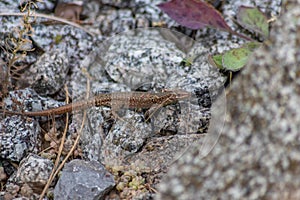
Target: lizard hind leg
116 115
152 111
118 110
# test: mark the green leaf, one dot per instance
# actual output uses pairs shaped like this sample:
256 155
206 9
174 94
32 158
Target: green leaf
236 59
253 19
216 60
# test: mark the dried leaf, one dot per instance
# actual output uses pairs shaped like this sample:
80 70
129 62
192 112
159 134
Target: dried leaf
253 19
69 11
194 14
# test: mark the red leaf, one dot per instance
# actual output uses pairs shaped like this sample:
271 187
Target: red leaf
194 14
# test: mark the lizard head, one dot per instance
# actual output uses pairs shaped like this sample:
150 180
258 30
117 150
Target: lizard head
175 96
181 94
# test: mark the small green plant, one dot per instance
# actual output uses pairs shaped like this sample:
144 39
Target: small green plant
254 20
197 14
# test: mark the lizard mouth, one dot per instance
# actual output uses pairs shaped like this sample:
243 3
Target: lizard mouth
182 94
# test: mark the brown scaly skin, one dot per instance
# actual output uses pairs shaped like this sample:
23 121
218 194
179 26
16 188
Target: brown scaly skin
114 100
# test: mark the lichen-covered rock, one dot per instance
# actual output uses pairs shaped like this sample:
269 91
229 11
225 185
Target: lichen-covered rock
257 156
18 137
21 135
30 178
151 60
27 100
83 180
49 71
52 54
34 171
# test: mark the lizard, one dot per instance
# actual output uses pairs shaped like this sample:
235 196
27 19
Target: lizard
132 100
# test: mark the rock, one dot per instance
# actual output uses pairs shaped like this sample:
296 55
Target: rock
257 156
52 53
161 152
49 71
77 46
83 180
34 171
18 137
21 135
31 176
151 60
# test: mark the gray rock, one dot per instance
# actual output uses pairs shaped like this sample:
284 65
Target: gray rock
150 60
257 156
35 171
27 100
18 137
130 14
161 152
83 180
49 71
22 135
31 177
46 69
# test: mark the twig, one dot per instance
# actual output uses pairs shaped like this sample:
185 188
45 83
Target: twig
53 174
50 17
56 169
73 147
